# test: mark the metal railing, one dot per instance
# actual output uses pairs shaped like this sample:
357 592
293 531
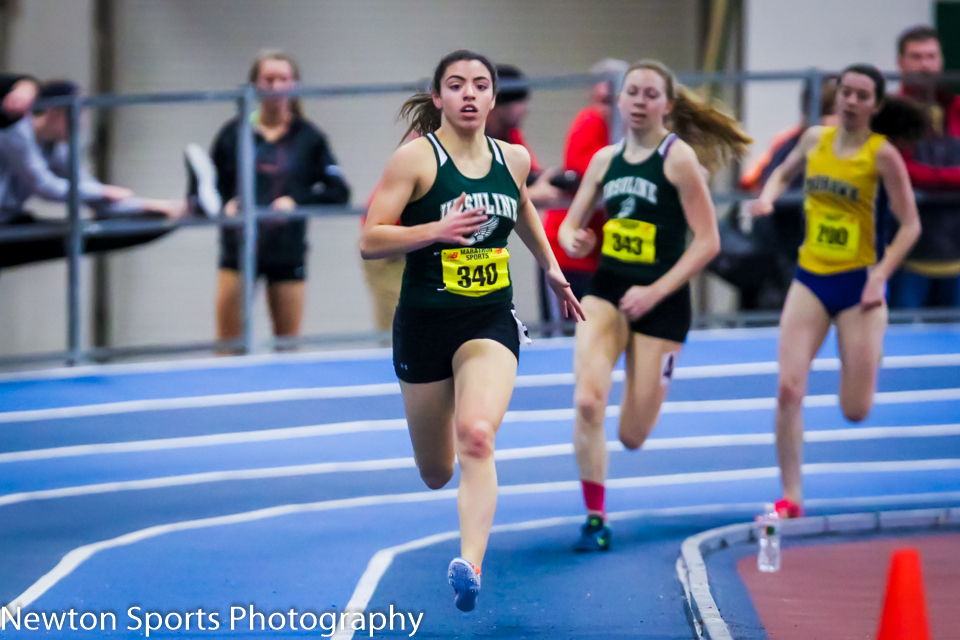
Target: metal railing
245 99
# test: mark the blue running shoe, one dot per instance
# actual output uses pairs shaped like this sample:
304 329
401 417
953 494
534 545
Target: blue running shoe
594 535
465 580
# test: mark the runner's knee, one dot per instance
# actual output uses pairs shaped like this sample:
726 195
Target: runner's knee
475 438
436 477
856 411
791 391
591 405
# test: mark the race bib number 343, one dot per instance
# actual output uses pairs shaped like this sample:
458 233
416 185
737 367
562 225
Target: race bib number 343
833 235
475 272
630 240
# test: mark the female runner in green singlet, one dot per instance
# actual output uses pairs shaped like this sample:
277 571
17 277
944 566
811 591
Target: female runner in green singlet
654 189
457 194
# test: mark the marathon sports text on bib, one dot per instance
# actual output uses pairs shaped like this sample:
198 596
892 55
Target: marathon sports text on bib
630 240
833 235
475 272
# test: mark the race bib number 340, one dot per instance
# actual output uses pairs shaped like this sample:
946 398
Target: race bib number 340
630 240
833 235
475 272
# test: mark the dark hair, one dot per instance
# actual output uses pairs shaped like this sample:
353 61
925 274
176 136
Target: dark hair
714 136
879 84
56 89
520 86
901 119
915 34
898 118
419 109
296 107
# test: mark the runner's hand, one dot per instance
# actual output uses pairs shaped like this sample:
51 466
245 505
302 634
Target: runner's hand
874 293
569 305
759 207
584 240
457 226
637 301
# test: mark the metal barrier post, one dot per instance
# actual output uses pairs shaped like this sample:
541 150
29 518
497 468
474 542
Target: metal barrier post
816 95
248 198
74 240
616 120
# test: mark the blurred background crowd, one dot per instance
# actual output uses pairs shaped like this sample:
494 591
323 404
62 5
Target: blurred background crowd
176 164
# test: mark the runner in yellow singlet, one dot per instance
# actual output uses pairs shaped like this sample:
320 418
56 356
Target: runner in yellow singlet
842 269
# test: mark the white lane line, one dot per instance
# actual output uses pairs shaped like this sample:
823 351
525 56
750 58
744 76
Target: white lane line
393 388
362 426
208 363
381 560
78 556
384 464
212 440
199 402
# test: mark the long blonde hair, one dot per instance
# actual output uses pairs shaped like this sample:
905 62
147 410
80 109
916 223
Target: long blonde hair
715 137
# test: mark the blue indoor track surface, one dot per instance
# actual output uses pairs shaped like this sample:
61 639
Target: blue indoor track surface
288 483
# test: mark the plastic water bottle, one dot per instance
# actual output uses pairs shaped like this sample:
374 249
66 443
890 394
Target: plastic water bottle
768 560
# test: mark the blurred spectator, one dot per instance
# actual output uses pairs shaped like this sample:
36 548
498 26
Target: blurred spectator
17 93
294 166
34 161
930 276
505 122
589 132
780 235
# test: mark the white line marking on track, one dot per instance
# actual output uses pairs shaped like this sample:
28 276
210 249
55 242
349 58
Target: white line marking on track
381 560
78 556
393 388
212 440
193 479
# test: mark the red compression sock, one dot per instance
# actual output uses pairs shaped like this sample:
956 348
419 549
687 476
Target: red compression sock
593 494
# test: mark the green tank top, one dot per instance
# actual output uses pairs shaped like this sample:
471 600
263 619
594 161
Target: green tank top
646 232
449 275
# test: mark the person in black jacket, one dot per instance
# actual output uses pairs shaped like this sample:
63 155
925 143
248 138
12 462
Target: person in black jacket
294 166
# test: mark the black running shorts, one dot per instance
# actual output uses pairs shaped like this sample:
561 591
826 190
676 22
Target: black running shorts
424 340
669 320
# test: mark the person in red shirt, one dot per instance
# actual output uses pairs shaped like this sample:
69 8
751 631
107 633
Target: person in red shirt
930 276
589 132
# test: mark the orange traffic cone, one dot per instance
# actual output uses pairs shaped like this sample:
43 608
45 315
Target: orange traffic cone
905 607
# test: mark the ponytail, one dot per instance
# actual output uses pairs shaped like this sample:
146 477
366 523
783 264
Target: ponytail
715 137
419 109
900 119
423 116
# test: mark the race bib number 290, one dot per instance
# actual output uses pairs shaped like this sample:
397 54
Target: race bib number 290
475 272
833 235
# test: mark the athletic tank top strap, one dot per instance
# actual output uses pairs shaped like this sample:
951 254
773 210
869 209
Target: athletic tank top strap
438 149
495 148
664 147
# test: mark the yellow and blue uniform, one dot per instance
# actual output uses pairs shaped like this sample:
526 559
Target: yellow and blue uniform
840 202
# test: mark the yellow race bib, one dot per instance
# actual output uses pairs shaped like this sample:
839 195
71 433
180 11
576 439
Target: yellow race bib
475 272
630 240
833 235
